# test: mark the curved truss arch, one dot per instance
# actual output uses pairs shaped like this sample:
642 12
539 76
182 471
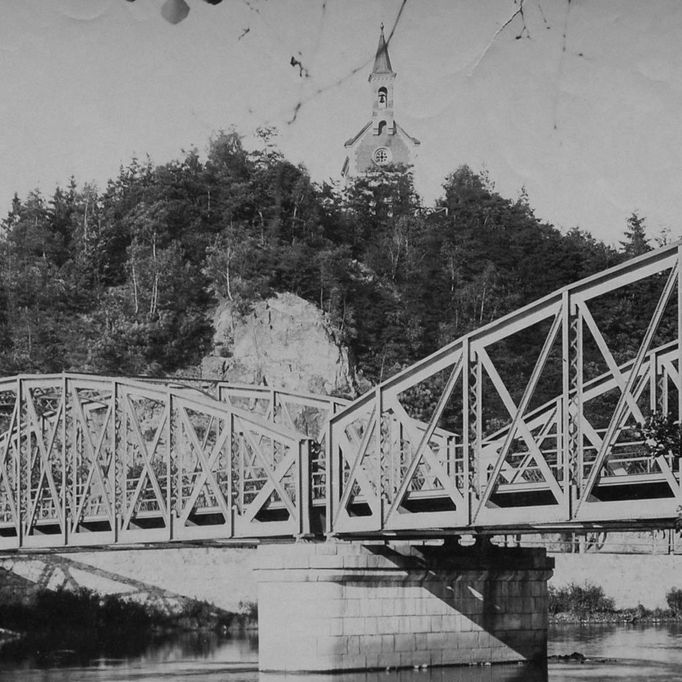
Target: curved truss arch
549 444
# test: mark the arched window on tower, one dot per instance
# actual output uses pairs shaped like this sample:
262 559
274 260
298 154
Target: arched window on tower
383 98
381 128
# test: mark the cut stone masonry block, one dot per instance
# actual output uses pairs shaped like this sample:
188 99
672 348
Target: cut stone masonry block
343 606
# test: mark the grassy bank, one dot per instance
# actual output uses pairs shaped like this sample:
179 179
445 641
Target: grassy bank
588 604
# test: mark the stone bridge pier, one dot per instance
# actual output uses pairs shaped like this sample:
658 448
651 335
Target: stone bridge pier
336 606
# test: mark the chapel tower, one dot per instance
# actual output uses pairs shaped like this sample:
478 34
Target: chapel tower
381 141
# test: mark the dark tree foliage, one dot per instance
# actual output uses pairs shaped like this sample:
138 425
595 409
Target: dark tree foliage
636 242
123 281
662 435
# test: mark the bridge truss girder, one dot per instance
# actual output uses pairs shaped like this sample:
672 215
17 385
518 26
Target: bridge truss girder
98 461
459 442
492 454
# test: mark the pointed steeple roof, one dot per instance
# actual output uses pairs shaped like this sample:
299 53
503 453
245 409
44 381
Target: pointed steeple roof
382 62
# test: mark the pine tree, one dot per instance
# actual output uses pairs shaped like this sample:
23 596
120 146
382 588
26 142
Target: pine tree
636 242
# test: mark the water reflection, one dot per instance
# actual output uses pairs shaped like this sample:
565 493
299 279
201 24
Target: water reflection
623 653
631 653
178 657
661 643
208 657
487 673
211 658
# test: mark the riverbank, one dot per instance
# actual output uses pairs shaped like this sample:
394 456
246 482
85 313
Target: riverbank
629 579
587 603
622 617
82 620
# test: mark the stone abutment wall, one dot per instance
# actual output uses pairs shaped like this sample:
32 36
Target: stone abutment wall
336 606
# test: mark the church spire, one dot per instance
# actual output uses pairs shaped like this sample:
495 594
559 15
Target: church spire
381 141
382 62
381 83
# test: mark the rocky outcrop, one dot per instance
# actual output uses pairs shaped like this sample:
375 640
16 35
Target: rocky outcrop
284 342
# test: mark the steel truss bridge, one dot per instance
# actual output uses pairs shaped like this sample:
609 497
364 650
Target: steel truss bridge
476 438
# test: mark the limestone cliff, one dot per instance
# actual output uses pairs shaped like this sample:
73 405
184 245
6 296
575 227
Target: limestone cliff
284 342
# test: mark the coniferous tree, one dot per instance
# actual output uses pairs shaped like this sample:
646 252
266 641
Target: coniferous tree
123 281
636 242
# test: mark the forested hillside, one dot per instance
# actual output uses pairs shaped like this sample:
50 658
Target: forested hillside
122 280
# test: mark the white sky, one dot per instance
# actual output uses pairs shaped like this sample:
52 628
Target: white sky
590 125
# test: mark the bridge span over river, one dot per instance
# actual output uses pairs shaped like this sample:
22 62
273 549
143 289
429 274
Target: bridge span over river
531 423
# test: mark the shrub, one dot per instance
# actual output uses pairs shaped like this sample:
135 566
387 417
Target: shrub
642 612
556 602
82 609
200 610
201 613
579 599
674 600
248 609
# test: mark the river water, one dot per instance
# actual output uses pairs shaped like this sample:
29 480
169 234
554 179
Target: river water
628 653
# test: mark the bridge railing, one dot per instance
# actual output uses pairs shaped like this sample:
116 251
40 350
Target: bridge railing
90 460
524 457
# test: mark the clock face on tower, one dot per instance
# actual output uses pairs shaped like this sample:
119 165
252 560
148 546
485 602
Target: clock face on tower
381 156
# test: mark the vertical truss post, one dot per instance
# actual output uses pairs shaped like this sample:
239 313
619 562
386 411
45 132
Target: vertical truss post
467 487
115 466
379 408
123 397
303 494
169 496
241 450
571 401
395 457
679 332
662 387
476 471
64 497
75 460
564 450
451 457
19 472
678 473
334 471
654 369
229 463
179 476
333 478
